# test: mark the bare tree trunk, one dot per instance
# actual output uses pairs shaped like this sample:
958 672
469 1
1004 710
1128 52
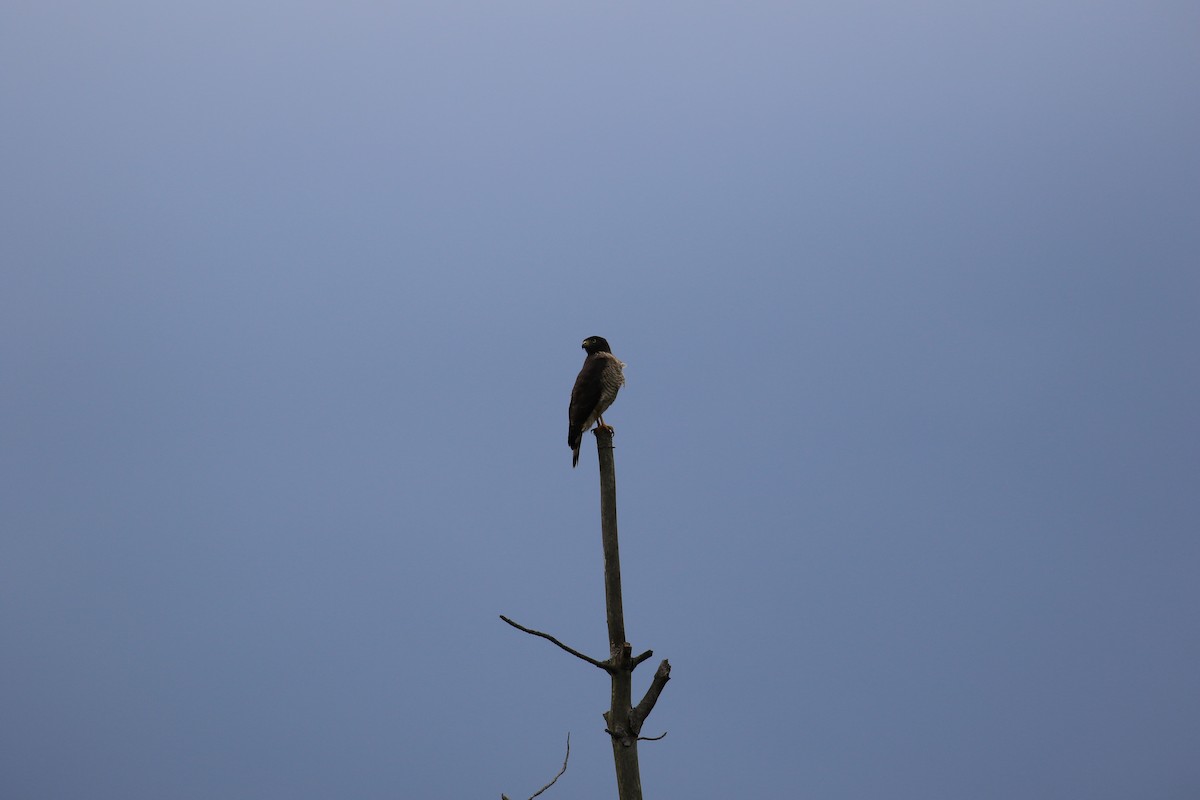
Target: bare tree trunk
624 719
623 733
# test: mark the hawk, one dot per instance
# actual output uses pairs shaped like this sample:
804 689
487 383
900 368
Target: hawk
595 389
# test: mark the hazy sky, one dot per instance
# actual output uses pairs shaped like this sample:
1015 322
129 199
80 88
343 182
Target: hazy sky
291 299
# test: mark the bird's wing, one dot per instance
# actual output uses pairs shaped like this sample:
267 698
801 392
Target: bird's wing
586 394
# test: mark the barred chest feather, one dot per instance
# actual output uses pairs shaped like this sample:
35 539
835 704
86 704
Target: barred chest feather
612 379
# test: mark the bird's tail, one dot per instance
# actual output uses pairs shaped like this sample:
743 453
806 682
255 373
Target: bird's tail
574 440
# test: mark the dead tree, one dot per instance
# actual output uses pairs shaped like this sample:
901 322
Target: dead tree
623 720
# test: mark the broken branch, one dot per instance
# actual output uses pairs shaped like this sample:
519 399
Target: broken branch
643 709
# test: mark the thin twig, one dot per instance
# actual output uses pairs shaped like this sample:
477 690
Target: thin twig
556 777
601 664
560 772
651 738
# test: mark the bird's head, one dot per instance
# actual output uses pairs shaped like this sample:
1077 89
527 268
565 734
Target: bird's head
596 344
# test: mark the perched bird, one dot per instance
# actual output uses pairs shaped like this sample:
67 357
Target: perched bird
595 389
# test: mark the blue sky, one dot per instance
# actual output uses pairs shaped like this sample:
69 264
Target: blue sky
290 308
